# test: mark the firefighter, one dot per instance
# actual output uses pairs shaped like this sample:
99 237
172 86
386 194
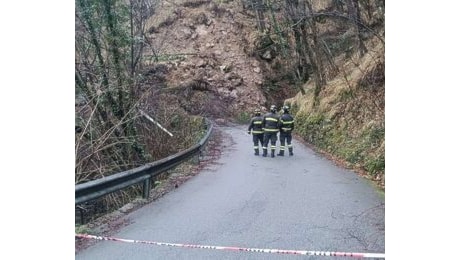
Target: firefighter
257 131
286 128
271 125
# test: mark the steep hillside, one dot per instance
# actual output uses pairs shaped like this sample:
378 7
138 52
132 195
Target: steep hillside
207 54
211 58
203 48
349 122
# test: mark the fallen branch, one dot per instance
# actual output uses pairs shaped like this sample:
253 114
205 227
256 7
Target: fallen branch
155 122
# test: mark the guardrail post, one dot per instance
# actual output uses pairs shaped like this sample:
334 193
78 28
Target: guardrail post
196 158
82 211
146 189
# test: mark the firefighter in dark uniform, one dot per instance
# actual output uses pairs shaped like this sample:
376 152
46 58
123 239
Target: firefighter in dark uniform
286 127
257 131
271 125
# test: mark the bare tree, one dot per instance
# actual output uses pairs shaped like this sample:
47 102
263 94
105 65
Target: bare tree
355 16
105 72
311 43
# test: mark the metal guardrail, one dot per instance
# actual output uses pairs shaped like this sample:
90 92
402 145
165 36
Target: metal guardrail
97 188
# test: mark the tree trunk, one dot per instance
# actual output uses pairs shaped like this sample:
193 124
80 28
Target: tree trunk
315 53
355 17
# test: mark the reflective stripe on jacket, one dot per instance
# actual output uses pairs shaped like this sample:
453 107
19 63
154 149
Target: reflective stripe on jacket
270 123
287 123
256 125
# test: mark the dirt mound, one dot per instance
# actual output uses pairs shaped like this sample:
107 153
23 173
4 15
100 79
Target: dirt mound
206 48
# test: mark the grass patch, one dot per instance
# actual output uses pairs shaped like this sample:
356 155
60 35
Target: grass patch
243 117
346 95
375 165
359 149
82 229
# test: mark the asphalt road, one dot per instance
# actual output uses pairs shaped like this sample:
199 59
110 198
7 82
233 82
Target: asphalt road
300 202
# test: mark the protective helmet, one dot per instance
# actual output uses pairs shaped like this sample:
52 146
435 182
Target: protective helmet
286 109
273 108
257 112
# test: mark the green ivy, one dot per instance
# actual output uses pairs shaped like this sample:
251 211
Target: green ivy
375 165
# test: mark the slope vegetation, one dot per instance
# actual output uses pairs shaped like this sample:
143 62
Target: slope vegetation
349 122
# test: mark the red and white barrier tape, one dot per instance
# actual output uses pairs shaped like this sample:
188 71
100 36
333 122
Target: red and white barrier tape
258 250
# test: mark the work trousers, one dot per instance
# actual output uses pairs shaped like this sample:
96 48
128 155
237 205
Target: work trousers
285 137
257 138
270 137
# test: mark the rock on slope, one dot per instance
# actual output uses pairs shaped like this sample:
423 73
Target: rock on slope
205 48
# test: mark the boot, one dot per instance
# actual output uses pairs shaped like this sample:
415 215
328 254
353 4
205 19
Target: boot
281 153
264 153
256 151
273 153
290 152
